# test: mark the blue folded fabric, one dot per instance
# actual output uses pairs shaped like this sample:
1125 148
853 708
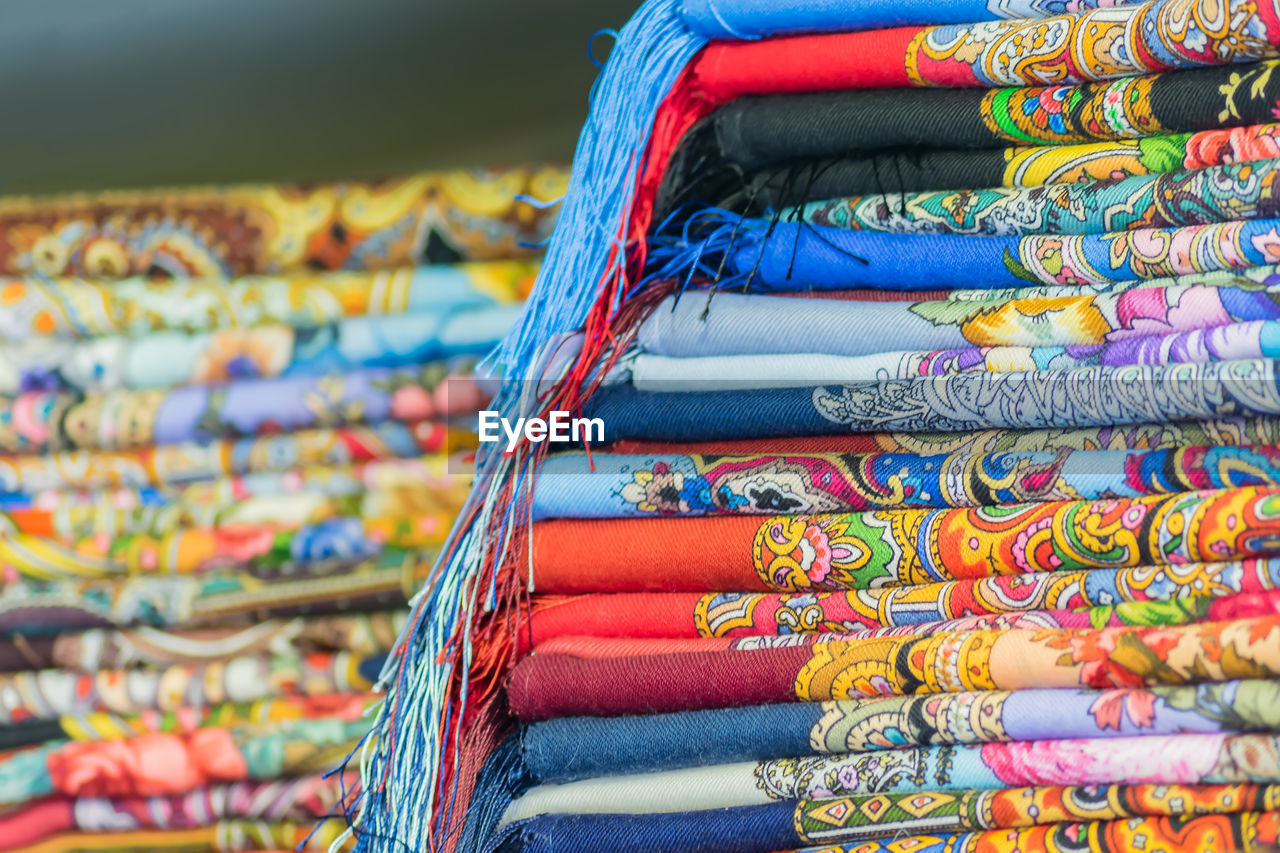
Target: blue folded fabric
751 19
786 256
570 748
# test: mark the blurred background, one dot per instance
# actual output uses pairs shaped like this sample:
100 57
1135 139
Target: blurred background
137 93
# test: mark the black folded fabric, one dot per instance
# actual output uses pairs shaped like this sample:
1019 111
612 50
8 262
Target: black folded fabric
785 149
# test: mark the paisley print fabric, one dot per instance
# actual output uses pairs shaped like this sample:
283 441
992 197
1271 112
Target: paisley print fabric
89 651
40 308
1250 831
1117 42
1143 595
619 485
272 229
425 486
171 361
266 549
50 693
296 801
42 421
385 580
1191 610
1007 539
874 549
1169 200
172 465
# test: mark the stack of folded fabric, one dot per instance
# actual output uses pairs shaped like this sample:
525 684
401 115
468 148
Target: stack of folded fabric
230 452
936 349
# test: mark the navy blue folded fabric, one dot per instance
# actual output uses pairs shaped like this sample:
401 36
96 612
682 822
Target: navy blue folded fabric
1090 396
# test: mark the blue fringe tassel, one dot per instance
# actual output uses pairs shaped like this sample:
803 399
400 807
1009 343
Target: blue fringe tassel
503 777
651 51
401 761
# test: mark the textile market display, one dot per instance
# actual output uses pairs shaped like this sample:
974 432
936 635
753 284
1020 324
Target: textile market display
930 496
237 431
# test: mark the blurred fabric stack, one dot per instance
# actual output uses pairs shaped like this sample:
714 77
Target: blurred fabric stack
236 425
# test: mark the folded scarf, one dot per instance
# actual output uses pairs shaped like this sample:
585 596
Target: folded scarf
262 549
765 130
1130 591
241 230
612 485
924 170
1231 432
292 800
785 256
749 19
425 487
1087 396
900 547
1096 44
90 651
1169 200
798 74
174 464
827 669
221 836
1231 342
1188 759
221 598
737 324
791 632
264 715
43 421
167 764
731 620
572 748
1249 277
51 693
41 308
174 359
777 826
1250 832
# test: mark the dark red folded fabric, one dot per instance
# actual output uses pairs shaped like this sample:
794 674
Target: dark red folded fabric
546 686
